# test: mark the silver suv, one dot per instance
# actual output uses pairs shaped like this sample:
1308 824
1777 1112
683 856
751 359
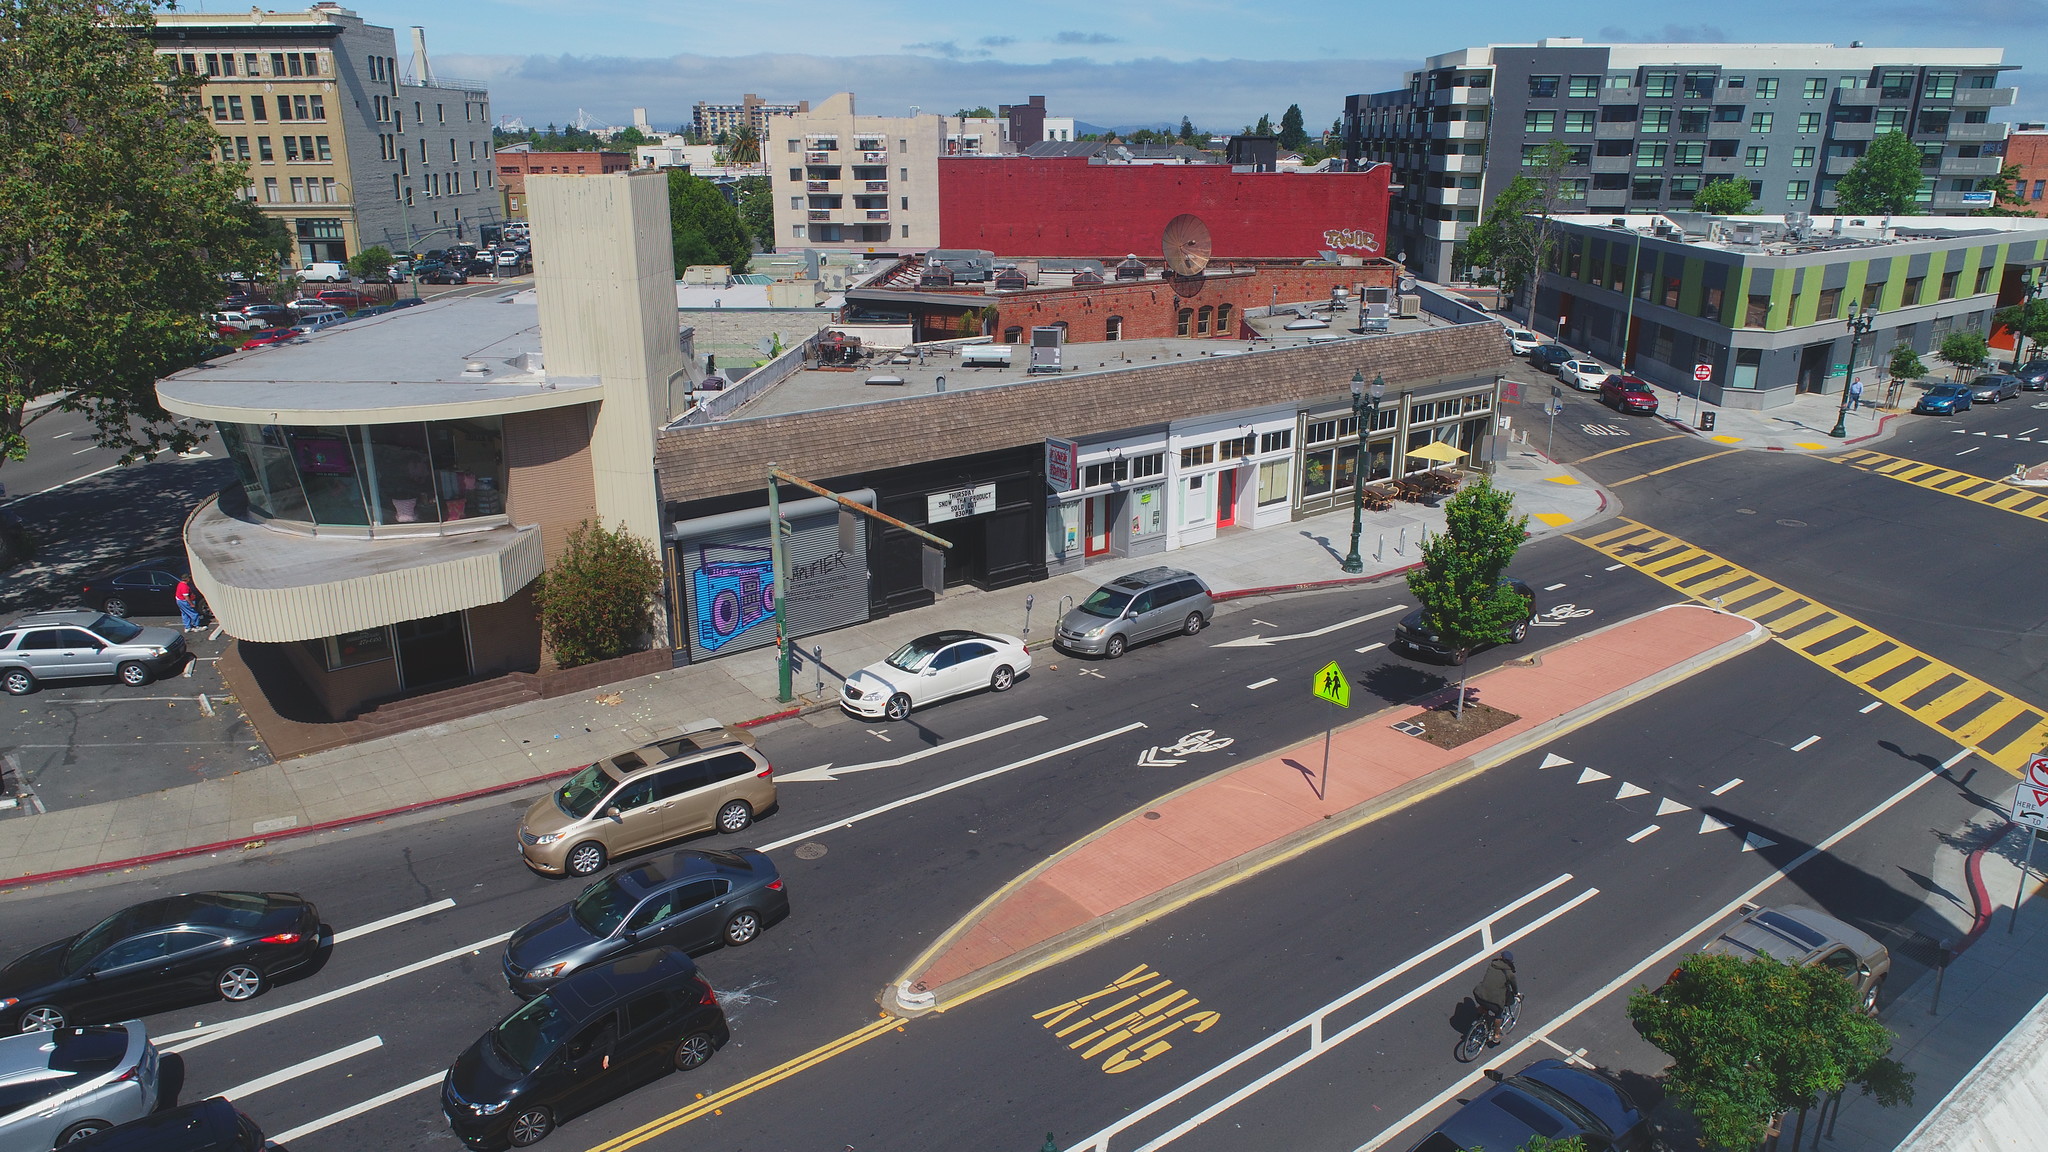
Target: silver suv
1134 608
80 645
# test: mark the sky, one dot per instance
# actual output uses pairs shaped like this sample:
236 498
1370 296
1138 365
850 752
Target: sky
1221 63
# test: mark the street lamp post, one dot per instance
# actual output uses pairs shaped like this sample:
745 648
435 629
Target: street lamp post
1860 320
1365 414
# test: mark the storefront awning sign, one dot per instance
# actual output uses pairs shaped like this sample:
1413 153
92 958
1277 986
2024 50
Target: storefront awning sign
943 506
1061 467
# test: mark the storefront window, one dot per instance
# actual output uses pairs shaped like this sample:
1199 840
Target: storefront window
352 648
371 475
1315 473
1273 478
1148 511
1063 529
1382 460
330 471
1347 466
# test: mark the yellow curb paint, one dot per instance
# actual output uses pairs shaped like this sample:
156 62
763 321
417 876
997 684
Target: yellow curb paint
1812 447
1727 439
1561 480
1554 519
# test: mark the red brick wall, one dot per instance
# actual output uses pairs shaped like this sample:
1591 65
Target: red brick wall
514 167
1023 206
2029 150
1152 307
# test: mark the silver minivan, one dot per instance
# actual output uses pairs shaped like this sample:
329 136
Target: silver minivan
1134 608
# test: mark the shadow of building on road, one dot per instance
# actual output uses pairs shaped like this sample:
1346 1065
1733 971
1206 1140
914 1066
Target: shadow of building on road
103 522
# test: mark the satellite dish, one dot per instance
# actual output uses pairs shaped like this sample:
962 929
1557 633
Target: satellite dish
1187 245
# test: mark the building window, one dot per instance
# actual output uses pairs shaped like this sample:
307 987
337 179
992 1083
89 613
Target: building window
1539 120
1223 319
1911 294
270 189
1183 321
1202 320
1583 87
1766 87
1983 280
1949 281
1756 157
1802 157
1816 88
1656 84
1684 187
1015 335
1798 190
1721 148
1689 156
1830 305
1728 113
1543 87
1650 155
1276 441
1759 121
1198 455
1692 119
1889 120
1113 328
1699 85
1809 122
263 151
324 152
1934 121
256 109
1940 86
1656 120
1646 188
1758 313
1578 121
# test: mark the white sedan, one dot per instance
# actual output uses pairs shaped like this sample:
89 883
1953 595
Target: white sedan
932 668
1522 341
1585 375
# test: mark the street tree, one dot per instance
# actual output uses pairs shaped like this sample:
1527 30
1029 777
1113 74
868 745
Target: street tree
704 226
979 113
757 210
1964 351
1187 130
372 264
1514 241
1886 180
1293 133
2004 200
743 145
1724 197
596 601
629 137
1756 1038
1905 364
1464 600
116 224
2028 320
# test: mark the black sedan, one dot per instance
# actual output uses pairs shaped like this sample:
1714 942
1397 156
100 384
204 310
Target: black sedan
141 589
1551 1099
1549 356
693 900
160 954
1412 637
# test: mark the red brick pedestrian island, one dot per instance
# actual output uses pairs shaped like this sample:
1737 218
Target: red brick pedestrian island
1241 820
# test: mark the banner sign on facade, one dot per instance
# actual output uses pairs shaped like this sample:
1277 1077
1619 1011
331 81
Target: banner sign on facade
943 506
1060 467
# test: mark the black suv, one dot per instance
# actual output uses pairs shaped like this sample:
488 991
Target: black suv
598 1032
207 1126
1410 635
1549 356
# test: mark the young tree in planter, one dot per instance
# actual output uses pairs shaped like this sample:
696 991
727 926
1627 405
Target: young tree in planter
372 264
1906 364
596 601
1464 599
1964 351
1753 1039
2028 321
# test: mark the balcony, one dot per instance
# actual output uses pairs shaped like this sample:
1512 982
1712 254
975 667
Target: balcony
876 157
1841 131
1858 97
1721 165
1613 163
1606 199
1457 163
1728 130
817 157
1615 130
878 214
1984 97
1446 229
1839 165
1994 131
817 186
1452 197
877 186
1458 130
819 214
1451 97
1630 96
1970 166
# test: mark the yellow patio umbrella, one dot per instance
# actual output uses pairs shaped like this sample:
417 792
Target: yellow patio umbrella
1438 451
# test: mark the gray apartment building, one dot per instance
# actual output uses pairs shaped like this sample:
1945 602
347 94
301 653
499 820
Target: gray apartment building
1648 124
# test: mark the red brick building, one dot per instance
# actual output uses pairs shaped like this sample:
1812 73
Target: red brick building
1068 206
2029 150
515 165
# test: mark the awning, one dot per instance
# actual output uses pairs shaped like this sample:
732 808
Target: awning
1437 450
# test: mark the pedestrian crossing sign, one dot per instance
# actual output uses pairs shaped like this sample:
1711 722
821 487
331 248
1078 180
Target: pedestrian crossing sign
1330 685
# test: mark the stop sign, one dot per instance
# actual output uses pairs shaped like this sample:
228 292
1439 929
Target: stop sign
1703 372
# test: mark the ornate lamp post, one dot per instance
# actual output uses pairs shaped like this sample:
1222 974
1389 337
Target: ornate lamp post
1860 320
1365 413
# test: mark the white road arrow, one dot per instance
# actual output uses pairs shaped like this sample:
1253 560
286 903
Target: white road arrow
1552 760
1589 776
1752 842
828 772
1709 824
1150 758
1667 806
1264 641
1628 790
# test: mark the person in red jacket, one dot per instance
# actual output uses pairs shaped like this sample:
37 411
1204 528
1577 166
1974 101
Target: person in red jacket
188 603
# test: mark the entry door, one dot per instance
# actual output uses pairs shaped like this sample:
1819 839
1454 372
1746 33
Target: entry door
1096 526
432 650
1226 498
1813 367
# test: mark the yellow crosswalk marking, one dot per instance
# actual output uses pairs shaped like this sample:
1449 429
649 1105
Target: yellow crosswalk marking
1831 639
1949 482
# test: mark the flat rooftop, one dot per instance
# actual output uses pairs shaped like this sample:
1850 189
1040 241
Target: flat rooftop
411 362
1773 236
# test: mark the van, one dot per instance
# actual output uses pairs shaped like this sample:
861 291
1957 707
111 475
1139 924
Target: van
1806 938
326 271
1135 608
694 782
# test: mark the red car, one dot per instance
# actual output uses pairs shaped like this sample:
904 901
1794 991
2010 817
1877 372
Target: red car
347 298
1629 394
271 336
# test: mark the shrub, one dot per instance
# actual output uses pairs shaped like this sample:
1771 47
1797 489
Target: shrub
596 601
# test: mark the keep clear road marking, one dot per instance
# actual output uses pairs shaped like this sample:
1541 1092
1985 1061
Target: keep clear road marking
828 772
1309 1029
355 1110
284 1075
1504 1057
1263 641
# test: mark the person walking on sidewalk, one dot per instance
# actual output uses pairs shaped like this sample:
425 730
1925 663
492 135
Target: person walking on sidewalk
188 604
1855 395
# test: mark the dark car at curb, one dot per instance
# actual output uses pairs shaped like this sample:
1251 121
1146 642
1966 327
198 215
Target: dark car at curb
169 952
597 1033
2033 375
1411 637
693 900
211 1125
1944 400
1549 1098
1549 356
142 588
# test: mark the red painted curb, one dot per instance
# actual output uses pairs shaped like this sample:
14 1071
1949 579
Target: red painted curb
1275 589
1881 422
325 826
1973 870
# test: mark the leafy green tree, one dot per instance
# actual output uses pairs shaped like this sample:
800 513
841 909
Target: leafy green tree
757 210
372 264
1549 1144
1187 130
2028 320
1459 584
1964 351
1293 135
629 137
1885 181
1905 364
1724 197
977 113
116 224
743 146
1263 128
596 602
1515 239
2004 201
1752 1039
704 225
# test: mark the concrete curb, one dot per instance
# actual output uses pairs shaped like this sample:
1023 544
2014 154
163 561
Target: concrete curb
1980 897
902 998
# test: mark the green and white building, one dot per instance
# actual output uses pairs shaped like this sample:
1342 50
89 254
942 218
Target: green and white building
1765 301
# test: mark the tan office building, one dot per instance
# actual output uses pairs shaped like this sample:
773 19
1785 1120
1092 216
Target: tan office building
344 143
711 120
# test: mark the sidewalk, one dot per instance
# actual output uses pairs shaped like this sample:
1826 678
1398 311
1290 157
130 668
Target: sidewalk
1244 819
505 749
1801 426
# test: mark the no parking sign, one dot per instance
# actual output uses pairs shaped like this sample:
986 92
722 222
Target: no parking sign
2030 802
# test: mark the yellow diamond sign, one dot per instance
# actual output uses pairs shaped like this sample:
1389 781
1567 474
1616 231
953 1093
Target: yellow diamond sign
1331 685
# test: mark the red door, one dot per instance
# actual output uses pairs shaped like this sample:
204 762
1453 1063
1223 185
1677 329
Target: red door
1095 526
1226 498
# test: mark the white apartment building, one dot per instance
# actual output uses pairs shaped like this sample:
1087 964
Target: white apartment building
853 183
344 143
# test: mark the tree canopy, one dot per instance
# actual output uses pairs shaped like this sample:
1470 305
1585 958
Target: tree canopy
1906 363
2004 200
1187 130
2029 322
980 112
116 223
1514 240
1963 351
704 226
757 210
1723 197
1751 1039
1886 180
1293 135
596 601
1459 583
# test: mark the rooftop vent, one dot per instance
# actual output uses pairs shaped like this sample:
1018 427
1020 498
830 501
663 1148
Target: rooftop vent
476 368
1132 268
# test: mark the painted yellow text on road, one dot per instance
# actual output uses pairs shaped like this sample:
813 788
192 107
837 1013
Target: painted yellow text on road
1949 482
2001 727
1126 1023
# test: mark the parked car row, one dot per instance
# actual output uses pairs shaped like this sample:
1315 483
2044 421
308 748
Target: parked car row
1951 398
1619 390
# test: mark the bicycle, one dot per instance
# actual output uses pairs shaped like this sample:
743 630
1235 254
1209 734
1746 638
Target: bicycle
1487 1031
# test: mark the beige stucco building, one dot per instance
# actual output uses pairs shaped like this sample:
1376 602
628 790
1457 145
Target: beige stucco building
402 479
853 183
345 143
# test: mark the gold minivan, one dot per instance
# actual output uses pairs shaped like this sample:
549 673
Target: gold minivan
711 778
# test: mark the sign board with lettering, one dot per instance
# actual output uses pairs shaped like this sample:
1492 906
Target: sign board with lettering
943 506
1979 199
1703 372
2030 803
1061 467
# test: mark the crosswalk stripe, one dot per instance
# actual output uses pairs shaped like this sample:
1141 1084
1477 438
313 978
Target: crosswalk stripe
1950 482
2007 730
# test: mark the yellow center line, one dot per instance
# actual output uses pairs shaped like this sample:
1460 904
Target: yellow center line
1626 447
1675 467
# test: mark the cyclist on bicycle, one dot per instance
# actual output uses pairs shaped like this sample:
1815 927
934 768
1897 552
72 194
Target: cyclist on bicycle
1497 989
